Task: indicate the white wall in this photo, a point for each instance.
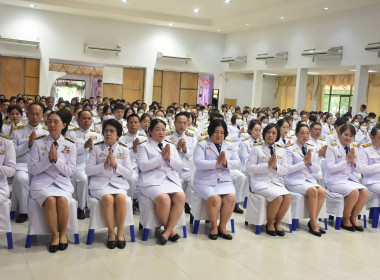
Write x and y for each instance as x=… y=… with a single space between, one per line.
x=269 y=89
x=62 y=36
x=238 y=86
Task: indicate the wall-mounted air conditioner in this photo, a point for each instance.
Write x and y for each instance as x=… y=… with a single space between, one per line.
x=331 y=52
x=237 y=59
x=281 y=56
x=20 y=42
x=373 y=47
x=163 y=57
x=88 y=47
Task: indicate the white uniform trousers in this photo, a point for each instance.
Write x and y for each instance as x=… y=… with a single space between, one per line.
x=80 y=183
x=20 y=192
x=187 y=186
x=133 y=187
x=240 y=183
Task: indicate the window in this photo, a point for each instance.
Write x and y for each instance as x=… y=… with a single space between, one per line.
x=337 y=99
x=68 y=89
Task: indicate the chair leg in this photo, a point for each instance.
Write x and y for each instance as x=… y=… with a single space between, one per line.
x=29 y=240
x=331 y=217
x=290 y=228
x=232 y=225
x=10 y=240
x=371 y=210
x=246 y=223
x=140 y=227
x=359 y=217
x=207 y=221
x=258 y=230
x=196 y=226
x=145 y=234
x=325 y=223
x=294 y=224
x=365 y=221
x=90 y=236
x=338 y=223
x=184 y=232
x=132 y=233
x=245 y=202
x=375 y=216
x=12 y=215
x=76 y=238
x=191 y=219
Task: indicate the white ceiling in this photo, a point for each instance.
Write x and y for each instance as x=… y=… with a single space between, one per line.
x=214 y=14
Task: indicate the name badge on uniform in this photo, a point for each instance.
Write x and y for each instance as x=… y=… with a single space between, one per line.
x=279 y=157
x=26 y=136
x=120 y=156
x=2 y=152
x=66 y=150
x=340 y=156
x=295 y=150
x=265 y=157
x=43 y=148
x=228 y=149
x=208 y=148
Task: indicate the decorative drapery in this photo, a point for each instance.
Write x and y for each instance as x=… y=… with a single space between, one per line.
x=373 y=94
x=333 y=80
x=285 y=91
x=76 y=69
x=309 y=93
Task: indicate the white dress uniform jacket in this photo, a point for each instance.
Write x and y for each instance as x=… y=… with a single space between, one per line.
x=245 y=148
x=7 y=165
x=370 y=162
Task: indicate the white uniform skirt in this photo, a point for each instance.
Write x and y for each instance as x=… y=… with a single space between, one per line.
x=108 y=189
x=271 y=191
x=167 y=186
x=302 y=188
x=53 y=190
x=206 y=191
x=346 y=188
x=3 y=198
x=375 y=188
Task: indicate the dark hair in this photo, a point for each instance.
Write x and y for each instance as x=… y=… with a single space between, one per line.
x=5 y=100
x=281 y=122
x=115 y=124
x=65 y=117
x=106 y=108
x=234 y=118
x=264 y=118
x=216 y=116
x=133 y=116
x=145 y=115
x=1 y=121
x=340 y=121
x=313 y=118
x=252 y=124
x=314 y=124
x=270 y=126
x=364 y=106
x=118 y=106
x=374 y=131
x=20 y=99
x=301 y=125
x=81 y=112
x=372 y=115
x=154 y=122
x=37 y=104
x=349 y=127
x=214 y=124
x=14 y=107
x=186 y=114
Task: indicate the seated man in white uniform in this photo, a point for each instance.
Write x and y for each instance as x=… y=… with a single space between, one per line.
x=118 y=112
x=131 y=139
x=185 y=142
x=84 y=138
x=23 y=139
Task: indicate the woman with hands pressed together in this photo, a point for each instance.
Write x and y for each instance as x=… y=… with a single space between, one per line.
x=213 y=159
x=159 y=163
x=52 y=162
x=266 y=165
x=109 y=168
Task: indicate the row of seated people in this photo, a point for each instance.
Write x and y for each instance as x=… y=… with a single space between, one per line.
x=215 y=187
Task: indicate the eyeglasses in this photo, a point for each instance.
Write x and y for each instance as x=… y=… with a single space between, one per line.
x=109 y=131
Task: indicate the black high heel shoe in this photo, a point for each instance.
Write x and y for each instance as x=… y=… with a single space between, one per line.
x=316 y=233
x=270 y=232
x=121 y=243
x=224 y=236
x=174 y=238
x=161 y=240
x=63 y=246
x=53 y=248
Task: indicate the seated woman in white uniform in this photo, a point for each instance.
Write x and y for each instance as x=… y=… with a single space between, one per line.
x=109 y=168
x=254 y=131
x=342 y=176
x=303 y=165
x=284 y=140
x=7 y=163
x=266 y=165
x=213 y=159
x=52 y=162
x=159 y=163
x=369 y=154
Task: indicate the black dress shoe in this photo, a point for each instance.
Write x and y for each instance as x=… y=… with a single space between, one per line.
x=321 y=230
x=63 y=246
x=213 y=236
x=280 y=233
x=187 y=208
x=121 y=243
x=238 y=210
x=359 y=228
x=174 y=238
x=53 y=248
x=111 y=244
x=270 y=232
x=21 y=218
x=349 y=228
x=313 y=232
x=80 y=214
x=224 y=236
x=161 y=240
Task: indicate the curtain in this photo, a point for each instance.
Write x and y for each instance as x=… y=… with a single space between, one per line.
x=76 y=69
x=334 y=80
x=309 y=93
x=373 y=94
x=285 y=92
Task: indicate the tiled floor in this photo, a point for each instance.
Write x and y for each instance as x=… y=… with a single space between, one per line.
x=299 y=255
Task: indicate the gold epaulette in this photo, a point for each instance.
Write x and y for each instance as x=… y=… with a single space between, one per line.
x=98 y=123
x=203 y=138
x=188 y=133
x=323 y=139
x=199 y=119
x=191 y=128
x=288 y=145
x=121 y=143
x=41 y=136
x=141 y=134
x=69 y=139
x=280 y=145
x=245 y=139
x=331 y=132
x=6 y=136
x=45 y=127
x=334 y=144
x=74 y=129
x=18 y=127
x=366 y=145
x=101 y=142
x=204 y=133
x=169 y=133
x=289 y=137
x=228 y=140
x=257 y=144
x=230 y=123
x=143 y=142
x=207 y=123
x=94 y=130
x=356 y=145
x=6 y=122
